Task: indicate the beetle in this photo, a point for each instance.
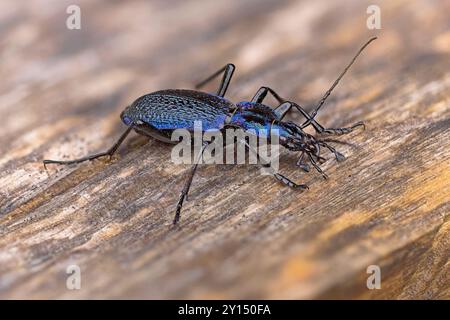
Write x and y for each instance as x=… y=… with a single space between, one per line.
x=158 y=114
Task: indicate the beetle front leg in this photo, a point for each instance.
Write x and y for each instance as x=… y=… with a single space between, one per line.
x=318 y=127
x=277 y=175
x=109 y=153
x=289 y=182
x=345 y=130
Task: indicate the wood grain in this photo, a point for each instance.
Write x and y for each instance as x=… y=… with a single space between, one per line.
x=242 y=235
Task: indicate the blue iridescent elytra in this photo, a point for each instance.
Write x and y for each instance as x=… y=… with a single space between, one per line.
x=159 y=113
x=176 y=109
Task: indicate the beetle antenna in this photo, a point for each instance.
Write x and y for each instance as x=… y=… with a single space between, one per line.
x=326 y=95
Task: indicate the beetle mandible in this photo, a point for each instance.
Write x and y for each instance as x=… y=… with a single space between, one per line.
x=158 y=114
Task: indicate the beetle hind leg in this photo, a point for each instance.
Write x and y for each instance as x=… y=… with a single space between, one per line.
x=109 y=153
x=227 y=71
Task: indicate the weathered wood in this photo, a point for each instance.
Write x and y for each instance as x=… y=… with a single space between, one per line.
x=242 y=235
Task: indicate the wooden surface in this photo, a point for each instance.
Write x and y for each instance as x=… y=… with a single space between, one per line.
x=242 y=235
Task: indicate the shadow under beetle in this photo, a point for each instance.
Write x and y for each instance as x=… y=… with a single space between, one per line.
x=159 y=113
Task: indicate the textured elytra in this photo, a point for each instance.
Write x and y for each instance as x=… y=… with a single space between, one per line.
x=174 y=109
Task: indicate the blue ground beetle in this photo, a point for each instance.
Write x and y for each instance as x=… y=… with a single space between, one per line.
x=159 y=113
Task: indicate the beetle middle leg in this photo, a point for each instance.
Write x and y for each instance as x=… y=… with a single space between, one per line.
x=109 y=152
x=187 y=184
x=227 y=71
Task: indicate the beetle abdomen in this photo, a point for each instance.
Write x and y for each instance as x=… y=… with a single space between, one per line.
x=174 y=109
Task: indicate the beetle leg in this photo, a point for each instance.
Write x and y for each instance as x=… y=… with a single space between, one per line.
x=227 y=71
x=339 y=156
x=284 y=108
x=261 y=94
x=317 y=126
x=316 y=166
x=289 y=182
x=281 y=110
x=187 y=184
x=300 y=163
x=277 y=175
x=341 y=131
x=109 y=153
x=320 y=129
